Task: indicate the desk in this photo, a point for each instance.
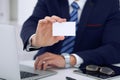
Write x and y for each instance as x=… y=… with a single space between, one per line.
x=62 y=73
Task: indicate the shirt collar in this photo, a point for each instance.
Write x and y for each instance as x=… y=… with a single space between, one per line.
x=81 y=3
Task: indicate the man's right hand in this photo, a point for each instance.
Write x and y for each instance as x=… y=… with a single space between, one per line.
x=43 y=36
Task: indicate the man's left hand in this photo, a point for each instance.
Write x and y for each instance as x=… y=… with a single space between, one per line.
x=49 y=59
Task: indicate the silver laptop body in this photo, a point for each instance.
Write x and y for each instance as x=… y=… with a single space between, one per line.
x=9 y=64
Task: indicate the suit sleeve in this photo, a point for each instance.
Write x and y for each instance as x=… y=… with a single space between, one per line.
x=29 y=27
x=109 y=52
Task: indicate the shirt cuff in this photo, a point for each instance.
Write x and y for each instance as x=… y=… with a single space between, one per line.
x=29 y=45
x=79 y=60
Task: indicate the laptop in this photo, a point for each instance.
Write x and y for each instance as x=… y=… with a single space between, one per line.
x=9 y=64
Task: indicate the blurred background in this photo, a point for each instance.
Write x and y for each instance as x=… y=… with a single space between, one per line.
x=15 y=12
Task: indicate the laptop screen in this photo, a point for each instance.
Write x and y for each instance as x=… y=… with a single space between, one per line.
x=9 y=66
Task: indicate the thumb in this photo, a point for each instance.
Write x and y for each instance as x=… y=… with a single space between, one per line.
x=60 y=37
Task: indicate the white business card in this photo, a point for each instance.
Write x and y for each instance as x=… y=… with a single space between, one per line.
x=64 y=29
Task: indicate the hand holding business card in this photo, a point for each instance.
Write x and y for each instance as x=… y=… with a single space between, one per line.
x=64 y=29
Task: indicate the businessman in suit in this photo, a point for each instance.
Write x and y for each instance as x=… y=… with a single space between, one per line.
x=97 y=39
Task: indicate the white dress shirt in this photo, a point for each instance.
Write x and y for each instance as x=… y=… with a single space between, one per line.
x=81 y=4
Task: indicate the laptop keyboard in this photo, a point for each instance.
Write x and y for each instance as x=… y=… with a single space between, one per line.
x=27 y=74
x=2 y=79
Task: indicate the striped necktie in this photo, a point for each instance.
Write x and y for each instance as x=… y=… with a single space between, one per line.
x=68 y=43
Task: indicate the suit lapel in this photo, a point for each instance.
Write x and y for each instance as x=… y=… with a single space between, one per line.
x=85 y=14
x=83 y=20
x=64 y=9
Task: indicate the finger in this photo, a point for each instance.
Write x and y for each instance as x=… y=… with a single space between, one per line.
x=60 y=37
x=36 y=62
x=58 y=19
x=40 y=58
x=41 y=24
x=40 y=65
x=42 y=21
x=50 y=19
x=46 y=64
x=43 y=61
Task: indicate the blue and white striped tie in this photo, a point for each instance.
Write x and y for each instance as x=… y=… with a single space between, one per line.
x=67 y=46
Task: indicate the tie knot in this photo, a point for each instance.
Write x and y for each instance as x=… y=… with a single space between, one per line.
x=75 y=5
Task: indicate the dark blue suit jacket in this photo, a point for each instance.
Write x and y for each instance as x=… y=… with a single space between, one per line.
x=98 y=35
